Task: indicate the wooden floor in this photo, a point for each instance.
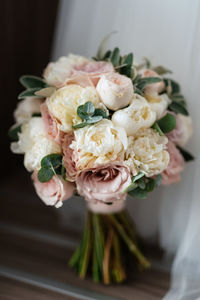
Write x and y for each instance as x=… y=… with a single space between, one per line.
x=36 y=244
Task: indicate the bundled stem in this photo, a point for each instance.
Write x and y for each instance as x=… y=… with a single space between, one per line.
x=102 y=245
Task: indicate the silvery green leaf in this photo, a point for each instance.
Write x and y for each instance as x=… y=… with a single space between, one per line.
x=94 y=119
x=80 y=125
x=29 y=93
x=29 y=81
x=158 y=180
x=138 y=176
x=138 y=193
x=52 y=161
x=100 y=112
x=115 y=57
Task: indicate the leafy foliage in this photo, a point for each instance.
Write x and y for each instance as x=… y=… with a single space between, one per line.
x=32 y=84
x=140 y=83
x=50 y=165
x=142 y=185
x=186 y=155
x=13 y=133
x=89 y=115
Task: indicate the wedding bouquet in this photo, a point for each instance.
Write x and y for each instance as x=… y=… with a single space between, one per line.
x=102 y=128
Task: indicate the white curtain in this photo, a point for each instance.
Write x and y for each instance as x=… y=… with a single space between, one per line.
x=168 y=32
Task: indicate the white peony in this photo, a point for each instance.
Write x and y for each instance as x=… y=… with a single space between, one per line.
x=158 y=103
x=99 y=144
x=146 y=152
x=26 y=108
x=34 y=144
x=137 y=115
x=115 y=90
x=64 y=102
x=57 y=73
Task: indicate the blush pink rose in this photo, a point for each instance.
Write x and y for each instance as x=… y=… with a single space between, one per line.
x=183 y=130
x=69 y=157
x=153 y=88
x=53 y=192
x=51 y=124
x=104 y=184
x=90 y=72
x=176 y=165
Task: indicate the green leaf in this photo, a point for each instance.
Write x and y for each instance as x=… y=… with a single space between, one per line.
x=52 y=161
x=94 y=119
x=80 y=125
x=13 y=132
x=161 y=70
x=175 y=88
x=178 y=98
x=45 y=174
x=143 y=82
x=142 y=183
x=138 y=176
x=100 y=112
x=147 y=62
x=63 y=173
x=29 y=81
x=107 y=55
x=178 y=108
x=138 y=193
x=167 y=123
x=86 y=110
x=128 y=61
x=150 y=185
x=156 y=127
x=115 y=57
x=186 y=155
x=29 y=93
x=158 y=180
x=36 y=115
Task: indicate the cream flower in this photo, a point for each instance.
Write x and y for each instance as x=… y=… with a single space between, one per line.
x=115 y=90
x=158 y=103
x=34 y=143
x=64 y=102
x=137 y=115
x=26 y=108
x=57 y=73
x=146 y=152
x=99 y=144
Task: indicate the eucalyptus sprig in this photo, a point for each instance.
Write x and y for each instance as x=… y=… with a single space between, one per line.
x=89 y=115
x=32 y=84
x=142 y=185
x=50 y=166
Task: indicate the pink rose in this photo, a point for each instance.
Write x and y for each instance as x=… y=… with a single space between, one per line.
x=51 y=124
x=105 y=183
x=53 y=192
x=90 y=72
x=153 y=88
x=176 y=165
x=183 y=130
x=69 y=157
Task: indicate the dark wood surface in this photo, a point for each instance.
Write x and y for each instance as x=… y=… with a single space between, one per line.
x=35 y=248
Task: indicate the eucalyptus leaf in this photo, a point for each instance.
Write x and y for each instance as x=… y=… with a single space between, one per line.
x=138 y=193
x=86 y=110
x=46 y=92
x=143 y=82
x=100 y=112
x=173 y=85
x=13 y=132
x=150 y=185
x=128 y=62
x=186 y=155
x=167 y=123
x=138 y=176
x=45 y=174
x=94 y=119
x=29 y=93
x=29 y=81
x=158 y=180
x=52 y=161
x=80 y=125
x=178 y=108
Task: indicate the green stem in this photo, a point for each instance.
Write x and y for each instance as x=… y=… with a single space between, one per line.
x=98 y=241
x=118 y=270
x=75 y=257
x=132 y=247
